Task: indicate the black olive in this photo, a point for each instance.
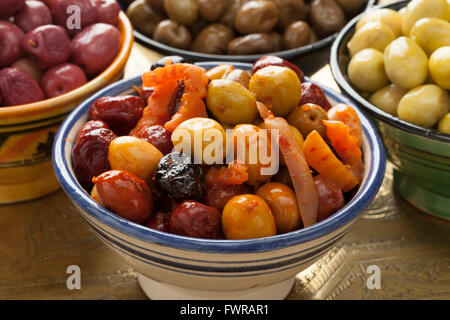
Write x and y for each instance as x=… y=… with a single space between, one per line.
x=177 y=175
x=162 y=62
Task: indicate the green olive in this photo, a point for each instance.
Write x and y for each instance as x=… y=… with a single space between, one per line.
x=387 y=98
x=366 y=70
x=307 y=118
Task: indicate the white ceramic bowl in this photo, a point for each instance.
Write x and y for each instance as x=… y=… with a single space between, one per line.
x=177 y=267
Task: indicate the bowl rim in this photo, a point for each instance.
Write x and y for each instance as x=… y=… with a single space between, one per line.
x=344 y=216
x=198 y=56
x=373 y=110
x=126 y=29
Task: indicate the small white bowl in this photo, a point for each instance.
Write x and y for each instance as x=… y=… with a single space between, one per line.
x=177 y=267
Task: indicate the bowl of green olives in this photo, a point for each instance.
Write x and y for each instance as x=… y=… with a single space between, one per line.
x=401 y=79
x=240 y=30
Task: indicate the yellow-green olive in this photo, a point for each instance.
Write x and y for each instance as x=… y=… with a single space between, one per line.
x=230 y=102
x=387 y=98
x=366 y=70
x=424 y=105
x=277 y=87
x=418 y=9
x=406 y=64
x=431 y=34
x=371 y=35
x=389 y=17
x=240 y=76
x=184 y=12
x=439 y=66
x=444 y=124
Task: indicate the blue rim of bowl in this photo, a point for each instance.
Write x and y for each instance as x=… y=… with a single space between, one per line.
x=349 y=212
x=198 y=56
x=373 y=110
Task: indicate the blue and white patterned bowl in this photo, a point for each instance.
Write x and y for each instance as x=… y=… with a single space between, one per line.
x=177 y=267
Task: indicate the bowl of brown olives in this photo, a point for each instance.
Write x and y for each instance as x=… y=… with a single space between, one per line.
x=395 y=62
x=195 y=229
x=240 y=30
x=46 y=69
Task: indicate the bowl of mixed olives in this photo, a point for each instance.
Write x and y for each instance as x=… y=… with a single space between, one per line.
x=163 y=166
x=46 y=69
x=395 y=62
x=240 y=30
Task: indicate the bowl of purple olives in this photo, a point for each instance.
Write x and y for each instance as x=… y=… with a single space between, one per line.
x=240 y=30
x=51 y=59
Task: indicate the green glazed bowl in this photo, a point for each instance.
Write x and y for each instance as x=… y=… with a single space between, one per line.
x=421 y=157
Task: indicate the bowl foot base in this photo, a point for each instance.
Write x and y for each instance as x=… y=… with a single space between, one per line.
x=163 y=291
x=420 y=197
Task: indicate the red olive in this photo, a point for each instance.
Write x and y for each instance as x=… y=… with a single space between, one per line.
x=218 y=195
x=193 y=219
x=91 y=126
x=125 y=194
x=120 y=113
x=64 y=13
x=276 y=61
x=159 y=221
x=312 y=93
x=90 y=155
x=18 y=88
x=33 y=14
x=10 y=43
x=158 y=136
x=62 y=79
x=331 y=198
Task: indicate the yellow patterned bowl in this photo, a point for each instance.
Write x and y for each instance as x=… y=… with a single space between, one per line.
x=27 y=131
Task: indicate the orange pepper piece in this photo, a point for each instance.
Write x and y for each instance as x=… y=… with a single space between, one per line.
x=346 y=114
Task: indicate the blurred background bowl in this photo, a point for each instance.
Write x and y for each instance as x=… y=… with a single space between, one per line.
x=177 y=267
x=421 y=157
x=27 y=131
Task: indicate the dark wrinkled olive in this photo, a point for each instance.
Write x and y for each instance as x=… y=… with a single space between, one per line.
x=312 y=93
x=162 y=62
x=277 y=61
x=193 y=219
x=179 y=177
x=297 y=34
x=211 y=10
x=144 y=18
x=121 y=113
x=277 y=40
x=251 y=44
x=125 y=194
x=158 y=136
x=213 y=39
x=90 y=155
x=308 y=117
x=173 y=34
x=157 y=5
x=326 y=17
x=230 y=12
x=184 y=12
x=289 y=12
x=331 y=198
x=256 y=16
x=159 y=221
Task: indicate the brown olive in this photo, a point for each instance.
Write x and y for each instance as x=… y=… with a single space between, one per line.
x=251 y=44
x=144 y=18
x=184 y=12
x=296 y=35
x=173 y=34
x=157 y=5
x=213 y=39
x=256 y=16
x=230 y=12
x=277 y=40
x=239 y=76
x=198 y=26
x=211 y=10
x=351 y=7
x=326 y=17
x=307 y=118
x=289 y=12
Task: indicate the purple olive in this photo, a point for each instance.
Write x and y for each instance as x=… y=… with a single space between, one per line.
x=33 y=14
x=47 y=45
x=9 y=7
x=28 y=67
x=95 y=47
x=18 y=88
x=65 y=12
x=10 y=43
x=62 y=79
x=107 y=11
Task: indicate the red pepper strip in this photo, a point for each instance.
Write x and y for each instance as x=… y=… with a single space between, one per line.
x=305 y=189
